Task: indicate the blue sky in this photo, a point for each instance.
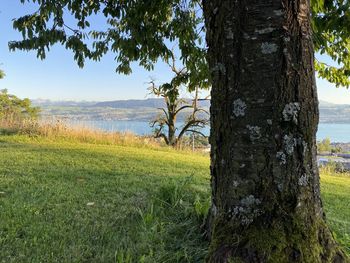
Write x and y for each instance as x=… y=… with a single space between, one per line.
x=59 y=78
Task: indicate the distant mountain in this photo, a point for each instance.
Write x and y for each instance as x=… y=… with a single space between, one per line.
x=147 y=103
x=323 y=103
x=131 y=104
x=117 y=104
x=326 y=104
x=334 y=113
x=47 y=103
x=135 y=110
x=147 y=109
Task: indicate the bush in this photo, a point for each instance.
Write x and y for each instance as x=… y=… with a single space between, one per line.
x=13 y=109
x=326 y=146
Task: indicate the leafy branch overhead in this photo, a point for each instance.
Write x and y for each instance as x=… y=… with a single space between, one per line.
x=2 y=74
x=139 y=31
x=331 y=20
x=143 y=31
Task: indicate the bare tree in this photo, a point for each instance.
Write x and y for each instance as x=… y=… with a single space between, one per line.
x=165 y=124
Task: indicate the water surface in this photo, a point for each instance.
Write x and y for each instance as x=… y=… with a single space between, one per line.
x=336 y=132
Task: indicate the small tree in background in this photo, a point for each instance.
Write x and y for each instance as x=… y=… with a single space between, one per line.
x=324 y=145
x=13 y=108
x=165 y=124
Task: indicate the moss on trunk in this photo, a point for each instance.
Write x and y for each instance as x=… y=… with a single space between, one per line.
x=276 y=242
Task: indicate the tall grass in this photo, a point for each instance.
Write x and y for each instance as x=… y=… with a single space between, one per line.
x=333 y=169
x=58 y=129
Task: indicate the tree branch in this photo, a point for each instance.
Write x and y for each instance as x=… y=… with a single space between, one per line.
x=192 y=123
x=195 y=131
x=182 y=108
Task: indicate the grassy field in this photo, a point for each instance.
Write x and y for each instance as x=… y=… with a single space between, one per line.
x=79 y=202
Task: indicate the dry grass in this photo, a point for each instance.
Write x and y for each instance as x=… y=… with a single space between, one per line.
x=332 y=169
x=58 y=129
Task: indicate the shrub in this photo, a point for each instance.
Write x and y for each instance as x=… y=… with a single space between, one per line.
x=13 y=108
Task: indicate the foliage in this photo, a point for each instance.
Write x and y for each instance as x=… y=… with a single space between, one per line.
x=2 y=74
x=331 y=21
x=146 y=205
x=142 y=31
x=326 y=146
x=145 y=31
x=14 y=108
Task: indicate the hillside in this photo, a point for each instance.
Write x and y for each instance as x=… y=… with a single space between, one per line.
x=148 y=103
x=334 y=113
x=131 y=104
x=146 y=110
x=66 y=201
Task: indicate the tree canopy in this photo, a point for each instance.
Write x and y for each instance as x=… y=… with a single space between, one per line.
x=331 y=20
x=14 y=108
x=142 y=31
x=145 y=31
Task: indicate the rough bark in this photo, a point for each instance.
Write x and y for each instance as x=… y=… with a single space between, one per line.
x=266 y=204
x=172 y=130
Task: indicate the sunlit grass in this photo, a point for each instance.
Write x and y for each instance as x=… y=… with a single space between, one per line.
x=336 y=199
x=78 y=202
x=66 y=201
x=60 y=130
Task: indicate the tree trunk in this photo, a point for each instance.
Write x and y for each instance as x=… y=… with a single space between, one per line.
x=266 y=204
x=172 y=130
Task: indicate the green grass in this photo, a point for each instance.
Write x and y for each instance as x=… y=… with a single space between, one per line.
x=78 y=202
x=336 y=199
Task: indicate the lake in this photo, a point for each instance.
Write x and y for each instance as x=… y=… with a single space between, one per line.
x=336 y=132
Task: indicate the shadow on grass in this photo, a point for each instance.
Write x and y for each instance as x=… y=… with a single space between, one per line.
x=170 y=227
